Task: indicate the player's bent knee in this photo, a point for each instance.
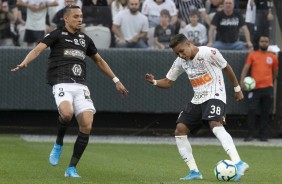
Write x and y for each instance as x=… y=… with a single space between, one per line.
x=181 y=129
x=67 y=116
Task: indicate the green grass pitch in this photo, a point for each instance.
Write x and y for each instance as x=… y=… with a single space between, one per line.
x=24 y=162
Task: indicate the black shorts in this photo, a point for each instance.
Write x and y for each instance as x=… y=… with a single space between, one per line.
x=32 y=36
x=194 y=116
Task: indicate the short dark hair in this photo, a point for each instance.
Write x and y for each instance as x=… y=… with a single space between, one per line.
x=69 y=7
x=165 y=12
x=194 y=12
x=177 y=39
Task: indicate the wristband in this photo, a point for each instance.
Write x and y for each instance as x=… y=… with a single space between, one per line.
x=237 y=89
x=154 y=82
x=115 y=79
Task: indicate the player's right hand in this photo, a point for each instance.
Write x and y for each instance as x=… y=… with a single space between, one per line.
x=149 y=77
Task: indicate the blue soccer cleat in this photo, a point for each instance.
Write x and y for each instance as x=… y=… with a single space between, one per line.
x=71 y=172
x=193 y=175
x=242 y=167
x=55 y=154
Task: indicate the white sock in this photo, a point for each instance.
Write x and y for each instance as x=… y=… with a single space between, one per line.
x=227 y=143
x=185 y=151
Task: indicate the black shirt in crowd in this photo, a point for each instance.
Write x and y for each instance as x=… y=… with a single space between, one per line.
x=227 y=27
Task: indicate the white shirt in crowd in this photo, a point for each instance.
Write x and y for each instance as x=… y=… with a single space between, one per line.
x=131 y=25
x=196 y=33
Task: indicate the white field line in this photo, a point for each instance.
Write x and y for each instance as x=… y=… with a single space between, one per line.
x=149 y=140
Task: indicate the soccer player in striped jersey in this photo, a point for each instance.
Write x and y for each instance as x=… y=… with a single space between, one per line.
x=204 y=66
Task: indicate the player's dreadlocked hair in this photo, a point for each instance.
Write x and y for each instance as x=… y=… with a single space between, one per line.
x=68 y=8
x=177 y=39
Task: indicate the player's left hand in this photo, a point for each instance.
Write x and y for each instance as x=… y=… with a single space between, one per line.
x=121 y=89
x=20 y=66
x=239 y=96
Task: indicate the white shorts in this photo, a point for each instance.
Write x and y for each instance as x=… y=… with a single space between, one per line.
x=77 y=94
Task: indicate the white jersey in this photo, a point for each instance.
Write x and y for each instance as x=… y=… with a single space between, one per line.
x=205 y=74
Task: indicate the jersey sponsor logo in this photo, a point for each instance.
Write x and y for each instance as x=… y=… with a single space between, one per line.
x=81 y=36
x=82 y=42
x=74 y=53
x=64 y=33
x=201 y=80
x=68 y=40
x=76 y=70
x=201 y=94
x=209 y=116
x=214 y=62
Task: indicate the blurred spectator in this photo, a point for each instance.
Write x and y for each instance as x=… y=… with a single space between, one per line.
x=152 y=9
x=195 y=31
x=263 y=67
x=96 y=2
x=36 y=19
x=14 y=21
x=250 y=19
x=264 y=17
x=213 y=7
x=117 y=6
x=164 y=31
x=97 y=12
x=130 y=27
x=52 y=11
x=227 y=24
x=186 y=6
x=58 y=20
x=6 y=18
x=18 y=24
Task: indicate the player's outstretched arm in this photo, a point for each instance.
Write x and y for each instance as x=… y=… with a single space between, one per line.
x=162 y=83
x=105 y=68
x=237 y=89
x=34 y=53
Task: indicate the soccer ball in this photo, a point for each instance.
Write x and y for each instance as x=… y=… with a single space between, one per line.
x=250 y=83
x=225 y=170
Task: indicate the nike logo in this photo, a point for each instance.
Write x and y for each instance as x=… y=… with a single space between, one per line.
x=210 y=116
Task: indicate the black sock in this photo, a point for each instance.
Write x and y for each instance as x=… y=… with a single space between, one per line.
x=79 y=147
x=62 y=127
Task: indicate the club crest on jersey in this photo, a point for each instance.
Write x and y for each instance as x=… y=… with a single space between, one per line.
x=76 y=70
x=82 y=42
x=76 y=42
x=269 y=60
x=213 y=52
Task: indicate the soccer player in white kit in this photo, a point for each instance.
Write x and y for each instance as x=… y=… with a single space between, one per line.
x=204 y=66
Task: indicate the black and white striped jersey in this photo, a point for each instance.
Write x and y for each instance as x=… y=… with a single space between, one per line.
x=186 y=6
x=204 y=73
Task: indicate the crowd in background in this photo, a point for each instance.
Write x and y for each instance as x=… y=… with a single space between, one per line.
x=223 y=24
